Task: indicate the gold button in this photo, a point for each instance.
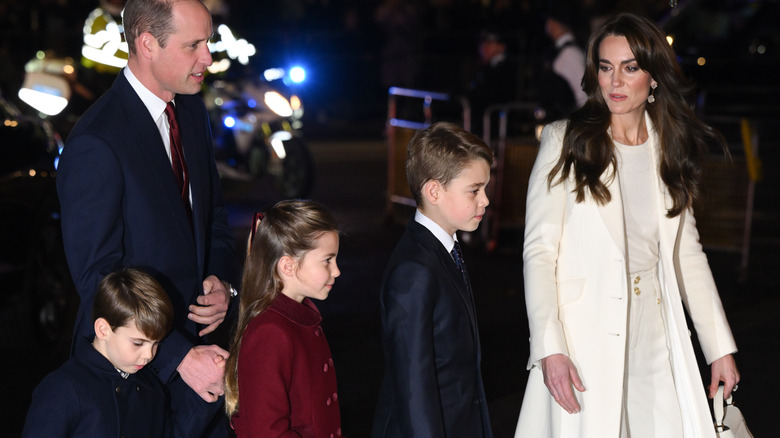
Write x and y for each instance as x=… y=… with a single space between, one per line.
x=658 y=301
x=636 y=280
x=637 y=291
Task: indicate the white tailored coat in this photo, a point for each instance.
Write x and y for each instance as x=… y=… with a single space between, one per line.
x=576 y=289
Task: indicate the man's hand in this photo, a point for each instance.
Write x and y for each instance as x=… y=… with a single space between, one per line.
x=559 y=376
x=724 y=370
x=203 y=370
x=212 y=305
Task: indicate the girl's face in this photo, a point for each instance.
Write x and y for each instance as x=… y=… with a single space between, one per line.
x=623 y=84
x=313 y=274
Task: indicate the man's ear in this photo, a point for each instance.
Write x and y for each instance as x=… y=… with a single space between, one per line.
x=146 y=43
x=102 y=329
x=286 y=266
x=431 y=191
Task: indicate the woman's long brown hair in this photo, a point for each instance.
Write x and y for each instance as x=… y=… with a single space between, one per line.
x=288 y=228
x=588 y=151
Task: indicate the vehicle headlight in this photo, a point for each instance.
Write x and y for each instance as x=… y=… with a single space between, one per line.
x=277 y=103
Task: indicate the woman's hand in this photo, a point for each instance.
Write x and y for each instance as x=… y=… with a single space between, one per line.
x=724 y=370
x=559 y=376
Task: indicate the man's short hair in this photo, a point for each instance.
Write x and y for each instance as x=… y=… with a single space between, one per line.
x=153 y=16
x=133 y=295
x=439 y=153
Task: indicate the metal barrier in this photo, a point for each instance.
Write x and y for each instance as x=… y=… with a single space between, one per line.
x=515 y=158
x=407 y=112
x=724 y=215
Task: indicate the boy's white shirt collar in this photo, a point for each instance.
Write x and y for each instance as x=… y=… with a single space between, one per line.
x=445 y=239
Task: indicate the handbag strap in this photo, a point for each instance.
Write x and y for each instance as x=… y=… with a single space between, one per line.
x=717 y=406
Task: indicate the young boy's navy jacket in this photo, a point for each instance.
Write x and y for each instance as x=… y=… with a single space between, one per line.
x=87 y=397
x=433 y=379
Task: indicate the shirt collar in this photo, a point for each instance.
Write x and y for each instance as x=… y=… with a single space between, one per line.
x=494 y=61
x=445 y=239
x=94 y=360
x=565 y=38
x=154 y=104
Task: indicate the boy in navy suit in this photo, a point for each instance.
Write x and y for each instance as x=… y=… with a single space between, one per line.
x=433 y=382
x=105 y=390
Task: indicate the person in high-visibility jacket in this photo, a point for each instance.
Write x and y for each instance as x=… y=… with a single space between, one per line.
x=105 y=48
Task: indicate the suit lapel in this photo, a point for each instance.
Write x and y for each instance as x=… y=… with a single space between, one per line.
x=463 y=290
x=148 y=142
x=192 y=144
x=667 y=227
x=612 y=214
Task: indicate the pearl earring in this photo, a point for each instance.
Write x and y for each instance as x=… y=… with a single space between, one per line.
x=651 y=98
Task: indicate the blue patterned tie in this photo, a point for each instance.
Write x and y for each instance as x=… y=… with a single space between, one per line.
x=457 y=255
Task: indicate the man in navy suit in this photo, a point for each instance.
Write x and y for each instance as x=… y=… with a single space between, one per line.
x=124 y=204
x=433 y=380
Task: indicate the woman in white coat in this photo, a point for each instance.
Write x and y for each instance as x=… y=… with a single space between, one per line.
x=611 y=254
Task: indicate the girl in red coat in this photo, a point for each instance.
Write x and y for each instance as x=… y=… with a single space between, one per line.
x=280 y=380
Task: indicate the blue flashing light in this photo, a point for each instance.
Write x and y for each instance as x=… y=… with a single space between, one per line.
x=229 y=122
x=297 y=74
x=251 y=103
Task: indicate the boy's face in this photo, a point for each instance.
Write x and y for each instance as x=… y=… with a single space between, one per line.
x=127 y=348
x=461 y=204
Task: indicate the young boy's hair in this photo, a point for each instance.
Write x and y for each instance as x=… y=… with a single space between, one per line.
x=439 y=153
x=133 y=295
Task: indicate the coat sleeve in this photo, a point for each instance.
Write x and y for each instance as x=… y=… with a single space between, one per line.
x=222 y=259
x=545 y=208
x=54 y=411
x=90 y=188
x=407 y=306
x=187 y=414
x=700 y=294
x=265 y=363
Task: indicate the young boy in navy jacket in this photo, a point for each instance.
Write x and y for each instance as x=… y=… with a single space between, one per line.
x=105 y=388
x=433 y=381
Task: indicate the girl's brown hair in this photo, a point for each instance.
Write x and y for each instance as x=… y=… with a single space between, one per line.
x=588 y=151
x=288 y=228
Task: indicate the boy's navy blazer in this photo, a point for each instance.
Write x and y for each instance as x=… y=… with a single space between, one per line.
x=121 y=207
x=433 y=379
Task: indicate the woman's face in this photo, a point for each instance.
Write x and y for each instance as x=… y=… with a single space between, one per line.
x=623 y=84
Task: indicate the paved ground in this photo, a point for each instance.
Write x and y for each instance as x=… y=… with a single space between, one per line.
x=351 y=181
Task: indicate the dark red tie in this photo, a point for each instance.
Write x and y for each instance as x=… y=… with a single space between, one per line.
x=177 y=156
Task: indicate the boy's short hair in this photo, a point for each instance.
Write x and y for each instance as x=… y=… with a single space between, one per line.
x=439 y=153
x=133 y=295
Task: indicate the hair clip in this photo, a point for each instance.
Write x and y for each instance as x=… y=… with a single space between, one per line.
x=258 y=217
